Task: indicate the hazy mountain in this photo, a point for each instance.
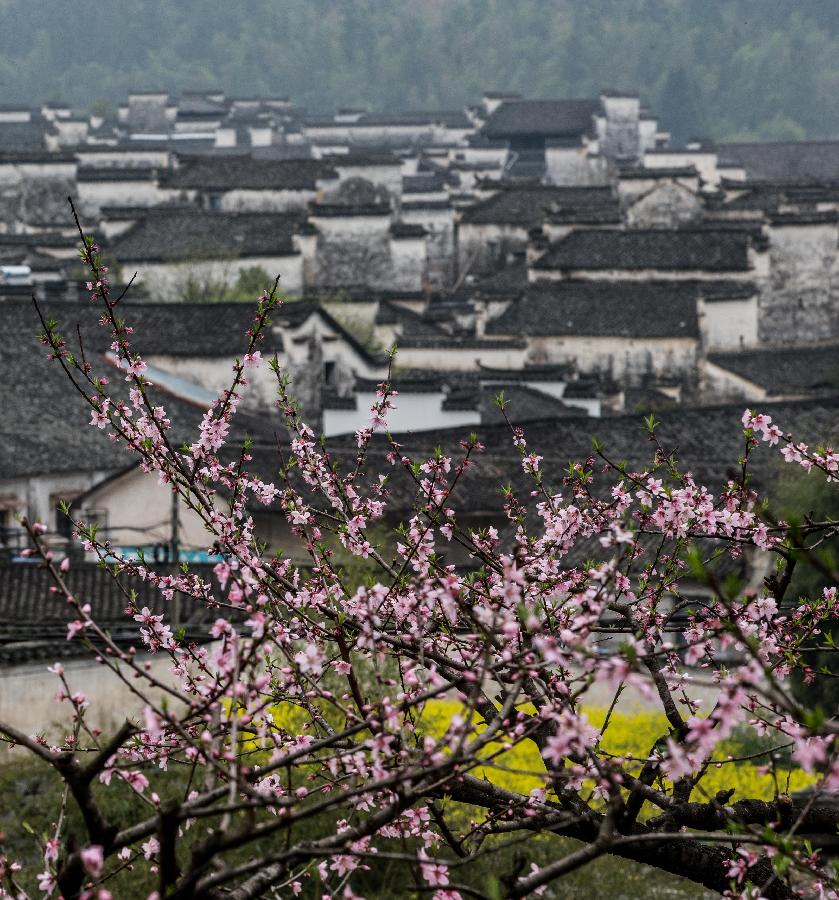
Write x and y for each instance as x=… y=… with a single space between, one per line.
x=729 y=68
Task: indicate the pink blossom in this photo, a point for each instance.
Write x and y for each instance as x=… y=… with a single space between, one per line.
x=93 y=860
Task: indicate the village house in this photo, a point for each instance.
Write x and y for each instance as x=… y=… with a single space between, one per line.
x=243 y=184
x=494 y=228
x=176 y=249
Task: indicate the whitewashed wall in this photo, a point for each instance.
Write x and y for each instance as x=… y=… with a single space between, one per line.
x=163 y=280
x=728 y=324
x=619 y=357
x=480 y=247
x=461 y=359
x=243 y=200
x=414 y=412
x=27 y=700
x=760 y=270
x=93 y=195
x=575 y=166
x=14 y=172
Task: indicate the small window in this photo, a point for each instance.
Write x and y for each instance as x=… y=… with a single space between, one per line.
x=63 y=523
x=329 y=373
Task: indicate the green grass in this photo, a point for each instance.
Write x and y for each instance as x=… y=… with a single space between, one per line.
x=32 y=795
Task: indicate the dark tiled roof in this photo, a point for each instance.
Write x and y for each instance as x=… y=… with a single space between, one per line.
x=22 y=136
x=423 y=184
x=450 y=118
x=602 y=308
x=507 y=282
x=786 y=160
x=112 y=173
x=33 y=622
x=35 y=155
x=663 y=172
x=786 y=370
x=226 y=173
x=451 y=342
x=414 y=325
x=38 y=239
x=771 y=196
x=362 y=160
x=425 y=204
x=195 y=329
x=337 y=210
x=25 y=596
x=547 y=118
x=713 y=291
x=805 y=217
x=716 y=251
x=707 y=441
x=607 y=214
x=480 y=141
x=527 y=205
x=407 y=230
x=44 y=424
x=527 y=404
x=546 y=372
x=181 y=234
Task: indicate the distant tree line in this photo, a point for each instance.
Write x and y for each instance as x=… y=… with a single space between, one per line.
x=732 y=69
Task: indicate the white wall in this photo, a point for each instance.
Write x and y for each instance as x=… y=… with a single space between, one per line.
x=138 y=512
x=14 y=172
x=350 y=227
x=27 y=701
x=163 y=280
x=123 y=157
x=575 y=165
x=414 y=412
x=619 y=357
x=481 y=246
x=241 y=200
x=93 y=195
x=667 y=204
x=728 y=324
x=536 y=275
x=334 y=347
x=409 y=258
x=460 y=359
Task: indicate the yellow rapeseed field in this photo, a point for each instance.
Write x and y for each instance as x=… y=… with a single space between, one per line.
x=629 y=734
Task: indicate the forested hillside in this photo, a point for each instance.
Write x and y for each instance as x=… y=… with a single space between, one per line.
x=734 y=69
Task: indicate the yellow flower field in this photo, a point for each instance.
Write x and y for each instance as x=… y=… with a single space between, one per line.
x=521 y=768
x=628 y=734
